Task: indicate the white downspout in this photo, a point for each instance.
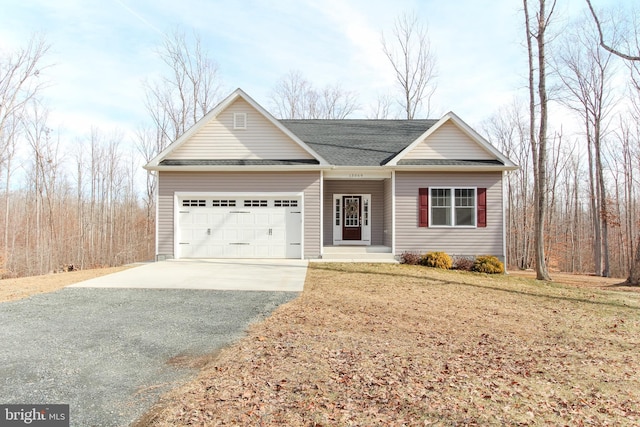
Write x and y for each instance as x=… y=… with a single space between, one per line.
x=321 y=213
x=393 y=212
x=504 y=228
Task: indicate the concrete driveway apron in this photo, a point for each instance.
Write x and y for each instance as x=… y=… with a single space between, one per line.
x=106 y=347
x=239 y=274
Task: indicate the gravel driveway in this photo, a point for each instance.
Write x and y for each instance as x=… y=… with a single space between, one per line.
x=105 y=351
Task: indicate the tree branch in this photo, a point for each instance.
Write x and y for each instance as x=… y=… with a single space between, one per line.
x=603 y=44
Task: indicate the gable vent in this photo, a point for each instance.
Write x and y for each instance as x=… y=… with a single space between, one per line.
x=239 y=120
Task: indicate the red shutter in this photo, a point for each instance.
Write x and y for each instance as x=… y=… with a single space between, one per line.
x=482 y=207
x=423 y=207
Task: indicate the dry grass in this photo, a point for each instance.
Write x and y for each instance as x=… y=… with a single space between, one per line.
x=23 y=287
x=582 y=281
x=407 y=345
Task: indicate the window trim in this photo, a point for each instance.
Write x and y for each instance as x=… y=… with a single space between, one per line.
x=453 y=207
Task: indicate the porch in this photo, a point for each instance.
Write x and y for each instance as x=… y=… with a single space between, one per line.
x=357 y=212
x=377 y=253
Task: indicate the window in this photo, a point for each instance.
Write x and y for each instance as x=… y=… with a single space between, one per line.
x=255 y=203
x=200 y=203
x=453 y=207
x=440 y=206
x=338 y=213
x=366 y=212
x=285 y=203
x=465 y=206
x=223 y=203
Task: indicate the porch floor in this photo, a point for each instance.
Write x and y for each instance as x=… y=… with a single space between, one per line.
x=357 y=254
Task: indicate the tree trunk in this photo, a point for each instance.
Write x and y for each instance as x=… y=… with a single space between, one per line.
x=634 y=270
x=595 y=209
x=542 y=272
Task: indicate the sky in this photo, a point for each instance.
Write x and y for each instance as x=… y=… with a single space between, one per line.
x=103 y=50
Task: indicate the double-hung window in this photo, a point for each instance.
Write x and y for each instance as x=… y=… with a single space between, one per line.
x=453 y=207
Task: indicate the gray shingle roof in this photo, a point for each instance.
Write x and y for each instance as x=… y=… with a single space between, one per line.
x=358 y=142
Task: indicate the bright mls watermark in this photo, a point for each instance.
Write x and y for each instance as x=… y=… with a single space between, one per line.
x=34 y=415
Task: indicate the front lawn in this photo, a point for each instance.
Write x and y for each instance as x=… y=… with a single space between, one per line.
x=404 y=345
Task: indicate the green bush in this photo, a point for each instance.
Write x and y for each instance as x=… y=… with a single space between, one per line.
x=437 y=260
x=488 y=264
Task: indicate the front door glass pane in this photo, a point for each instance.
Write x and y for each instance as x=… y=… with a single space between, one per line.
x=351 y=212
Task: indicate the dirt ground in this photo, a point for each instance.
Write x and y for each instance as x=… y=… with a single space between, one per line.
x=14 y=289
x=407 y=345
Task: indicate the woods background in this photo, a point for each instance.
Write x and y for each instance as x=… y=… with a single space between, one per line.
x=88 y=203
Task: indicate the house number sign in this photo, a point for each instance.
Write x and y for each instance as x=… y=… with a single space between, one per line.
x=356 y=175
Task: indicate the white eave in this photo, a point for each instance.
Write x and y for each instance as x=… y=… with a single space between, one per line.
x=237 y=168
x=455 y=168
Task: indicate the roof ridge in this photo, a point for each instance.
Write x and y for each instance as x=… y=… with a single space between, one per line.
x=362 y=120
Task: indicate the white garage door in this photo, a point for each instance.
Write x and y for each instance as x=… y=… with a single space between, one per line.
x=239 y=227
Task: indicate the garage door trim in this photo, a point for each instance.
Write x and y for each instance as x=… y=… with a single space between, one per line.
x=180 y=195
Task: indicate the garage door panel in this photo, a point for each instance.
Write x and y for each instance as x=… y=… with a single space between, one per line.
x=256 y=231
x=231 y=235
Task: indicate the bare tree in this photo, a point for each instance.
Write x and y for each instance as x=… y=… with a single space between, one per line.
x=46 y=164
x=190 y=88
x=289 y=97
x=20 y=81
x=634 y=86
x=633 y=43
x=508 y=129
x=414 y=63
x=186 y=92
x=337 y=103
x=607 y=46
x=294 y=97
x=585 y=72
x=382 y=108
x=536 y=30
x=149 y=143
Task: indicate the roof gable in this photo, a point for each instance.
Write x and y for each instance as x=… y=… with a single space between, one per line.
x=450 y=139
x=216 y=138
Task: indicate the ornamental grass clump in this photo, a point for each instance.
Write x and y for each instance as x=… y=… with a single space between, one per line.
x=488 y=264
x=410 y=258
x=437 y=260
x=463 y=264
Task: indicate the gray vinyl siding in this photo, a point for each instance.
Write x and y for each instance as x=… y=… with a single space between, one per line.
x=388 y=213
x=375 y=188
x=248 y=182
x=454 y=241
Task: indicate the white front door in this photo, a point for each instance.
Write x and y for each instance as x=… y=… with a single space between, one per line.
x=352 y=219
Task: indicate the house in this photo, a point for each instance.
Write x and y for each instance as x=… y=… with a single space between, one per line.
x=243 y=184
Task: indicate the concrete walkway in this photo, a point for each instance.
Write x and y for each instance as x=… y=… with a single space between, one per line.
x=274 y=275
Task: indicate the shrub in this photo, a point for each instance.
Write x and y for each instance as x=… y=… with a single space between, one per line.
x=488 y=264
x=410 y=258
x=437 y=260
x=462 y=263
